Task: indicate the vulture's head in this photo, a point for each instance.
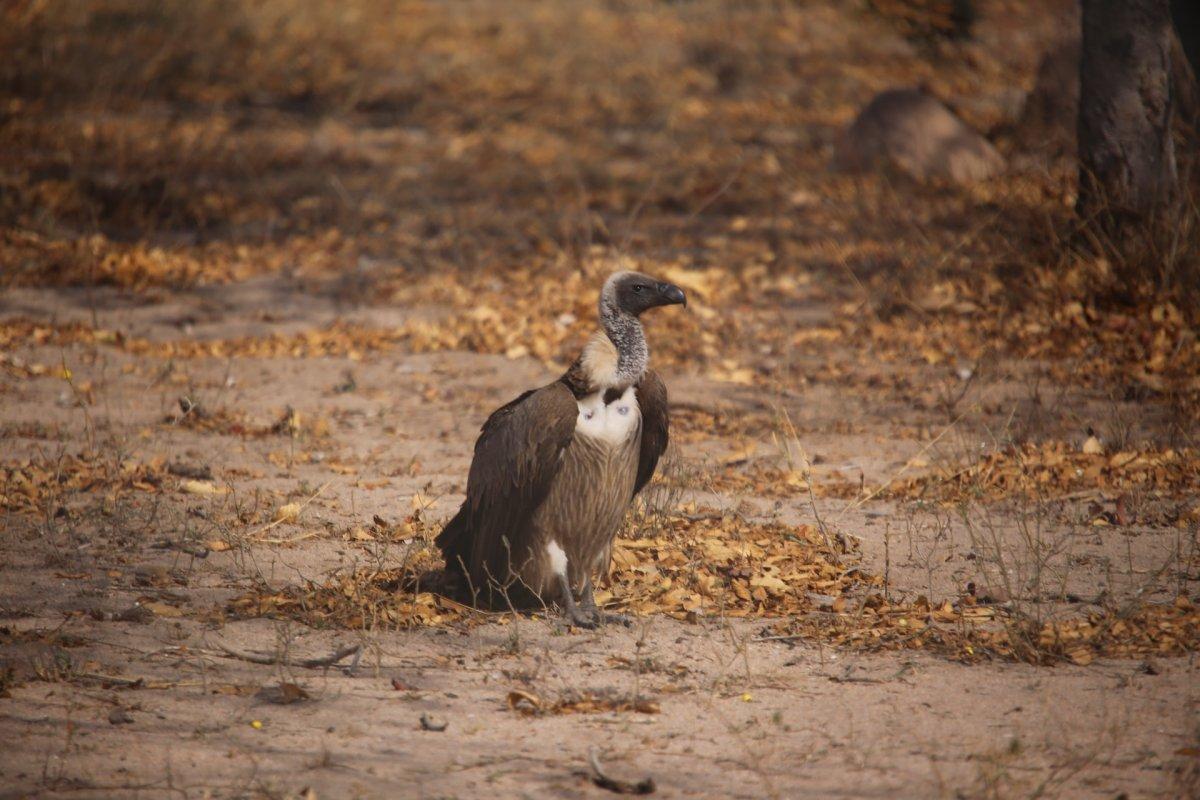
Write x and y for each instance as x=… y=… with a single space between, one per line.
x=633 y=293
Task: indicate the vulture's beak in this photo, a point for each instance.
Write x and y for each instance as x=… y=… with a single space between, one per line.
x=671 y=295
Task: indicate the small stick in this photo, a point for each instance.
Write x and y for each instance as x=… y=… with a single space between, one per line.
x=353 y=668
x=133 y=683
x=110 y=679
x=293 y=540
x=883 y=486
x=790 y=638
x=853 y=679
x=644 y=786
x=310 y=663
x=710 y=515
x=812 y=501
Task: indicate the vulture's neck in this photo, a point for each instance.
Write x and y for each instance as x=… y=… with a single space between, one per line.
x=625 y=332
x=615 y=359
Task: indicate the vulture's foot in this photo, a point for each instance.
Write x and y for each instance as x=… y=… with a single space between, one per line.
x=579 y=618
x=587 y=605
x=578 y=615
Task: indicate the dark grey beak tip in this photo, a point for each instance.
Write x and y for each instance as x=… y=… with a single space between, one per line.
x=673 y=295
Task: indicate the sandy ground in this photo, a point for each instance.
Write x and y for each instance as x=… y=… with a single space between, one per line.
x=314 y=171
x=738 y=715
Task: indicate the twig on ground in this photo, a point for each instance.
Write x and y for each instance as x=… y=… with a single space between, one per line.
x=883 y=486
x=353 y=668
x=132 y=683
x=302 y=537
x=308 y=663
x=109 y=679
x=300 y=508
x=853 y=679
x=702 y=517
x=812 y=501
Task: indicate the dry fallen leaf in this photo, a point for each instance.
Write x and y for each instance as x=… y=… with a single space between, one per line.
x=524 y=702
x=289 y=512
x=1080 y=656
x=161 y=609
x=198 y=487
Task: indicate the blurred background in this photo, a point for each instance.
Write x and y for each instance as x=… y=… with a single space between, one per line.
x=238 y=137
x=403 y=152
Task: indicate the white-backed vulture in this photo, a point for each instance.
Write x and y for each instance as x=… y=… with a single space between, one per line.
x=555 y=469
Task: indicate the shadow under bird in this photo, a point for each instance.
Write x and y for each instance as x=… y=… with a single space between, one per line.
x=555 y=469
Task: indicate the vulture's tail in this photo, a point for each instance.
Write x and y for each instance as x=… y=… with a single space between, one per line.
x=455 y=543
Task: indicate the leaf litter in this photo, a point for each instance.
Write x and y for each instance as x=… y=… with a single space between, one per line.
x=711 y=564
x=695 y=569
x=741 y=278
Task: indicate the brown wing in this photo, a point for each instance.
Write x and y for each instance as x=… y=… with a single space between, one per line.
x=652 y=400
x=516 y=458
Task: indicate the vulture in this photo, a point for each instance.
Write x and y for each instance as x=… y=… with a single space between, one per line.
x=555 y=469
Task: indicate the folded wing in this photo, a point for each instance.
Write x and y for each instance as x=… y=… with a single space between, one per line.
x=652 y=400
x=517 y=456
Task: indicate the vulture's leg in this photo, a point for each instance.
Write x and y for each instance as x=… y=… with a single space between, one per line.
x=572 y=612
x=587 y=605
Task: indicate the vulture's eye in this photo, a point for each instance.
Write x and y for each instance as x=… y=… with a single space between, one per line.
x=637 y=287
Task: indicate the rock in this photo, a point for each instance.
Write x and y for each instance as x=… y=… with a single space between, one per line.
x=908 y=130
x=119 y=716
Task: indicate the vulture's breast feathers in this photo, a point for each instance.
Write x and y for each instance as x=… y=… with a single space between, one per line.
x=612 y=422
x=608 y=406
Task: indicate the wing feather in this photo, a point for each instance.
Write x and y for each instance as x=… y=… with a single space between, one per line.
x=516 y=458
x=652 y=400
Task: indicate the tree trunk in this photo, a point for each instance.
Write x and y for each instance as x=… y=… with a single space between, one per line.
x=1185 y=67
x=1187 y=25
x=1126 y=155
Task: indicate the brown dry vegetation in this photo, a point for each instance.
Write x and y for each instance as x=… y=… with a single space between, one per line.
x=929 y=526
